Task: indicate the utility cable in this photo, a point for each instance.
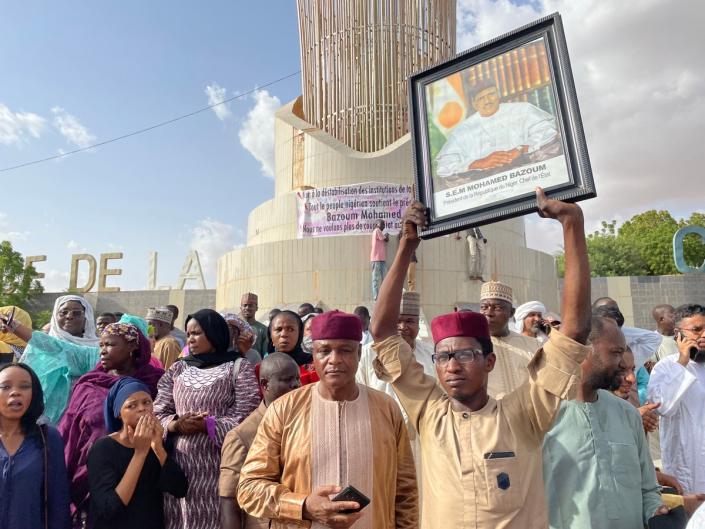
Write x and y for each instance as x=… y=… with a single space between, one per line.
x=150 y=128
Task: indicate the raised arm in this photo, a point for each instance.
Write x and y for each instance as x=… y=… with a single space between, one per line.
x=384 y=323
x=575 y=304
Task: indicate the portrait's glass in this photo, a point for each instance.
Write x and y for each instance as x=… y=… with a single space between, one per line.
x=491 y=126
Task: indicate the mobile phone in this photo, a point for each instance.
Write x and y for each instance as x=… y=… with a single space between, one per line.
x=668 y=490
x=350 y=493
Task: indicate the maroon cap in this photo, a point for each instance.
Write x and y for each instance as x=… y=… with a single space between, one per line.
x=336 y=325
x=465 y=323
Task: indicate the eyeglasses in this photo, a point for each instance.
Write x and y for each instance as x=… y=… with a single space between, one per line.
x=73 y=313
x=466 y=356
x=695 y=330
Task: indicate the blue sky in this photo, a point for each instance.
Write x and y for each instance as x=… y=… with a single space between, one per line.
x=74 y=73
x=122 y=66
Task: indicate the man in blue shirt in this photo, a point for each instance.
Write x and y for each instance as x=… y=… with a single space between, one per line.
x=597 y=467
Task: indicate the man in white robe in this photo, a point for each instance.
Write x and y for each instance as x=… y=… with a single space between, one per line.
x=513 y=350
x=496 y=134
x=678 y=384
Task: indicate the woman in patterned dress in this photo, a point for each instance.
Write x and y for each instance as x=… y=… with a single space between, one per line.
x=201 y=398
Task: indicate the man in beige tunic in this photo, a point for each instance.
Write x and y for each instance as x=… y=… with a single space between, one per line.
x=278 y=375
x=513 y=351
x=482 y=458
x=315 y=441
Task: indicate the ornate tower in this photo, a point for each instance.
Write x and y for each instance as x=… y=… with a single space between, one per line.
x=356 y=58
x=350 y=126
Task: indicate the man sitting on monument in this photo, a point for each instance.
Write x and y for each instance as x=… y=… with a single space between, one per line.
x=316 y=441
x=481 y=457
x=248 y=310
x=497 y=135
x=166 y=349
x=513 y=351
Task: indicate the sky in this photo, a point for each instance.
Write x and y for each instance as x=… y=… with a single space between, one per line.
x=74 y=74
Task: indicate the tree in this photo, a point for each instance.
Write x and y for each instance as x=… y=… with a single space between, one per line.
x=609 y=256
x=693 y=246
x=651 y=233
x=643 y=245
x=18 y=283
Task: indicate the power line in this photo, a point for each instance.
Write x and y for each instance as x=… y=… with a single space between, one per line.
x=152 y=127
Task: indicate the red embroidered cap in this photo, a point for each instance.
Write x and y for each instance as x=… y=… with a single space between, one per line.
x=465 y=323
x=336 y=325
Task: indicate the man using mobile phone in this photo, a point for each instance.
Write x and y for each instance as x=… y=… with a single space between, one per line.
x=481 y=457
x=678 y=384
x=316 y=441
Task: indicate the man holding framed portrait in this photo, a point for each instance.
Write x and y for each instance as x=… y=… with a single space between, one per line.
x=492 y=124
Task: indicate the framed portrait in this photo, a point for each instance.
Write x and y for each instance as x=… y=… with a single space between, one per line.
x=494 y=123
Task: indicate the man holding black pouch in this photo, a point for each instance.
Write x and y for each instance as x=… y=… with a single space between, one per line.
x=326 y=450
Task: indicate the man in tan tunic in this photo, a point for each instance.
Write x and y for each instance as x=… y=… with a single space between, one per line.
x=482 y=464
x=315 y=441
x=278 y=375
x=512 y=350
x=166 y=347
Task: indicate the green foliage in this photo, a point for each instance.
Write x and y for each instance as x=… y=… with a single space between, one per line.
x=17 y=283
x=651 y=233
x=40 y=319
x=642 y=246
x=693 y=246
x=611 y=257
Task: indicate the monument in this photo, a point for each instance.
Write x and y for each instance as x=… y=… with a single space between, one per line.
x=350 y=126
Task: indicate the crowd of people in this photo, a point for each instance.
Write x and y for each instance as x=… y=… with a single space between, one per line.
x=512 y=417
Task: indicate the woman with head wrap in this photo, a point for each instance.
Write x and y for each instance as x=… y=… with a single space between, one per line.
x=69 y=350
x=129 y=470
x=201 y=397
x=124 y=351
x=33 y=486
x=286 y=334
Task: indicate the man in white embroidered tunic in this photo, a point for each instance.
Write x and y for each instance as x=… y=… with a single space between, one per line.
x=482 y=465
x=315 y=441
x=514 y=351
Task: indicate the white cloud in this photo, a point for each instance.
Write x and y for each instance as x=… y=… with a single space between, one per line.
x=15 y=127
x=6 y=234
x=257 y=132
x=212 y=239
x=640 y=80
x=216 y=94
x=58 y=280
x=71 y=129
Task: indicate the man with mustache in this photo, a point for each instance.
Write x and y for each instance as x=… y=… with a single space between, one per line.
x=315 y=441
x=481 y=457
x=678 y=384
x=596 y=463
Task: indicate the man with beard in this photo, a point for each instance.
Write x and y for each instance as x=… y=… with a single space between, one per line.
x=529 y=320
x=678 y=384
x=596 y=463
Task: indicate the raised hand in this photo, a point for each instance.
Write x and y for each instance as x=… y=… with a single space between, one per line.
x=318 y=507
x=141 y=435
x=649 y=418
x=556 y=209
x=414 y=217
